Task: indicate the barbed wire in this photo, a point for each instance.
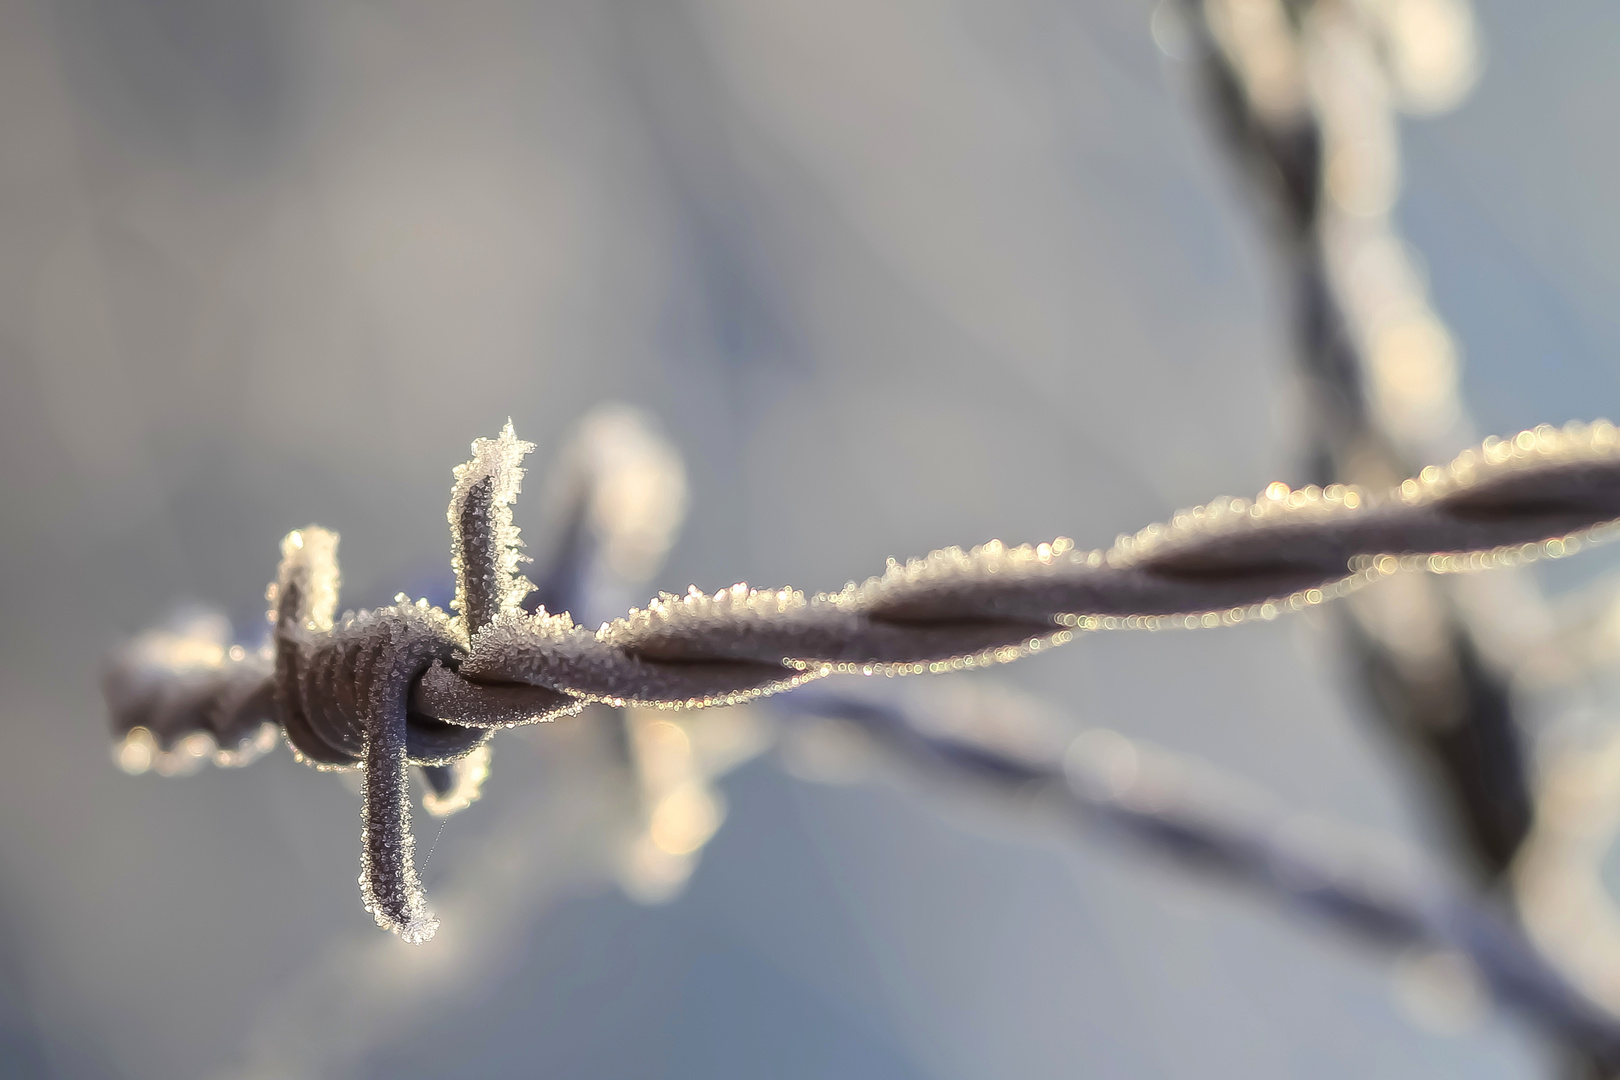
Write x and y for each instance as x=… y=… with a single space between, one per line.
x=412 y=684
x=1232 y=560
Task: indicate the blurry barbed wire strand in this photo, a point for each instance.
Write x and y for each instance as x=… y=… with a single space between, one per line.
x=1213 y=824
x=411 y=684
x=1306 y=100
x=1307 y=96
x=616 y=495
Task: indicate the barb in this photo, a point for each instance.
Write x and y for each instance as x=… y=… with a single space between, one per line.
x=1207 y=821
x=410 y=684
x=483 y=541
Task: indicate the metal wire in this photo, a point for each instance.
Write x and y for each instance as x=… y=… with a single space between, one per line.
x=1232 y=560
x=410 y=684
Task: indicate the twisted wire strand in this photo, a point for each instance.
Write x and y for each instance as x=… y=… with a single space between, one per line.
x=1201 y=819
x=1541 y=493
x=410 y=684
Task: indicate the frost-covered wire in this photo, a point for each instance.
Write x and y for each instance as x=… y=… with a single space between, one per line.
x=1229 y=561
x=410 y=684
